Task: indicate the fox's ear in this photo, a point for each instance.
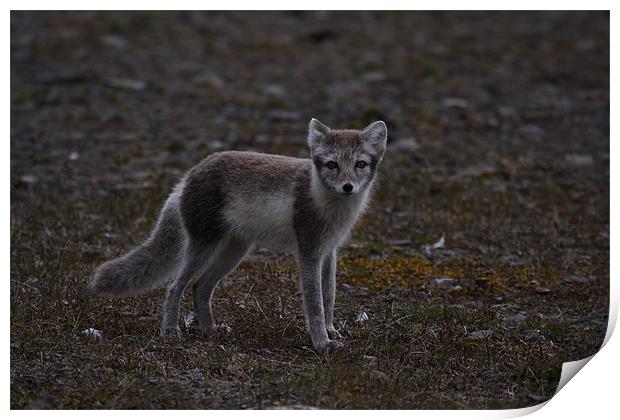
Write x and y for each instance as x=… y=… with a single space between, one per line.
x=317 y=132
x=375 y=135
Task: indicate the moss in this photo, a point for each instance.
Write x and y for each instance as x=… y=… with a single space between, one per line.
x=410 y=271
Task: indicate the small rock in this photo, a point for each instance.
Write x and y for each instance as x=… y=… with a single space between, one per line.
x=266 y=352
x=129 y=84
x=274 y=90
x=455 y=103
x=195 y=374
x=577 y=280
x=537 y=397
x=361 y=317
x=542 y=290
x=531 y=131
x=92 y=333
x=514 y=318
x=378 y=375
x=371 y=360
x=373 y=76
x=216 y=144
x=114 y=41
x=480 y=334
x=446 y=283
x=579 y=160
x=188 y=319
x=454 y=108
x=439 y=244
x=506 y=111
x=476 y=171
x=209 y=80
x=28 y=179
x=512 y=260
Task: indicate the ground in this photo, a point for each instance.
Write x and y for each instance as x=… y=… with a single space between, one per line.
x=499 y=144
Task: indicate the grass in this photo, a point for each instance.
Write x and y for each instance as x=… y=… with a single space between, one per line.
x=416 y=332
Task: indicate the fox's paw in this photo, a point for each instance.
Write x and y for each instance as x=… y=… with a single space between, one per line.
x=328 y=346
x=170 y=332
x=333 y=333
x=216 y=329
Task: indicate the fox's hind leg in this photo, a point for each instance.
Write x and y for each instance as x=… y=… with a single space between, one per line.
x=224 y=260
x=195 y=259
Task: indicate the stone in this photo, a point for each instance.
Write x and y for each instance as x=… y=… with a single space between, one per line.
x=480 y=334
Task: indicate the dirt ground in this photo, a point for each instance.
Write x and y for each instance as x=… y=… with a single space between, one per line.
x=498 y=143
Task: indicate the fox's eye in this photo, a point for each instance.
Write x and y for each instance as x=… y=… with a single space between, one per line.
x=360 y=164
x=332 y=165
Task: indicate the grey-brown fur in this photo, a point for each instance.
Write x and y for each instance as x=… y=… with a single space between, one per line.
x=233 y=200
x=149 y=265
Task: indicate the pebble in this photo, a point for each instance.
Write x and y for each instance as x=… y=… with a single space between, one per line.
x=361 y=317
x=531 y=131
x=114 y=41
x=577 y=280
x=446 y=283
x=475 y=171
x=371 y=360
x=274 y=90
x=515 y=318
x=480 y=334
x=579 y=160
x=455 y=103
x=130 y=84
x=92 y=333
x=28 y=179
x=378 y=375
x=209 y=80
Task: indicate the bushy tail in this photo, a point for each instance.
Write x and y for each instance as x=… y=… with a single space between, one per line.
x=151 y=264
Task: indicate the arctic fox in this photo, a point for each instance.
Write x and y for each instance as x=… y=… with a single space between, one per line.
x=231 y=201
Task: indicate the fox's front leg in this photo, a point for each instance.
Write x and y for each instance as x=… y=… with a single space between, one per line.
x=310 y=278
x=328 y=285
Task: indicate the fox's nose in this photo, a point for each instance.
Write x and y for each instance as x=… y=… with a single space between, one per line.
x=347 y=188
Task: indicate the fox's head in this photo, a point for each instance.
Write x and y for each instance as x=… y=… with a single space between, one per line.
x=346 y=160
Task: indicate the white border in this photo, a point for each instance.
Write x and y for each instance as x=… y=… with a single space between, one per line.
x=312 y=5
x=592 y=394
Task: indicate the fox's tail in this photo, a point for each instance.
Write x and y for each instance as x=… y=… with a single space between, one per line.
x=151 y=264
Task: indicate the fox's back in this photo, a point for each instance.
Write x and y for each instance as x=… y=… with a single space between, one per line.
x=245 y=193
